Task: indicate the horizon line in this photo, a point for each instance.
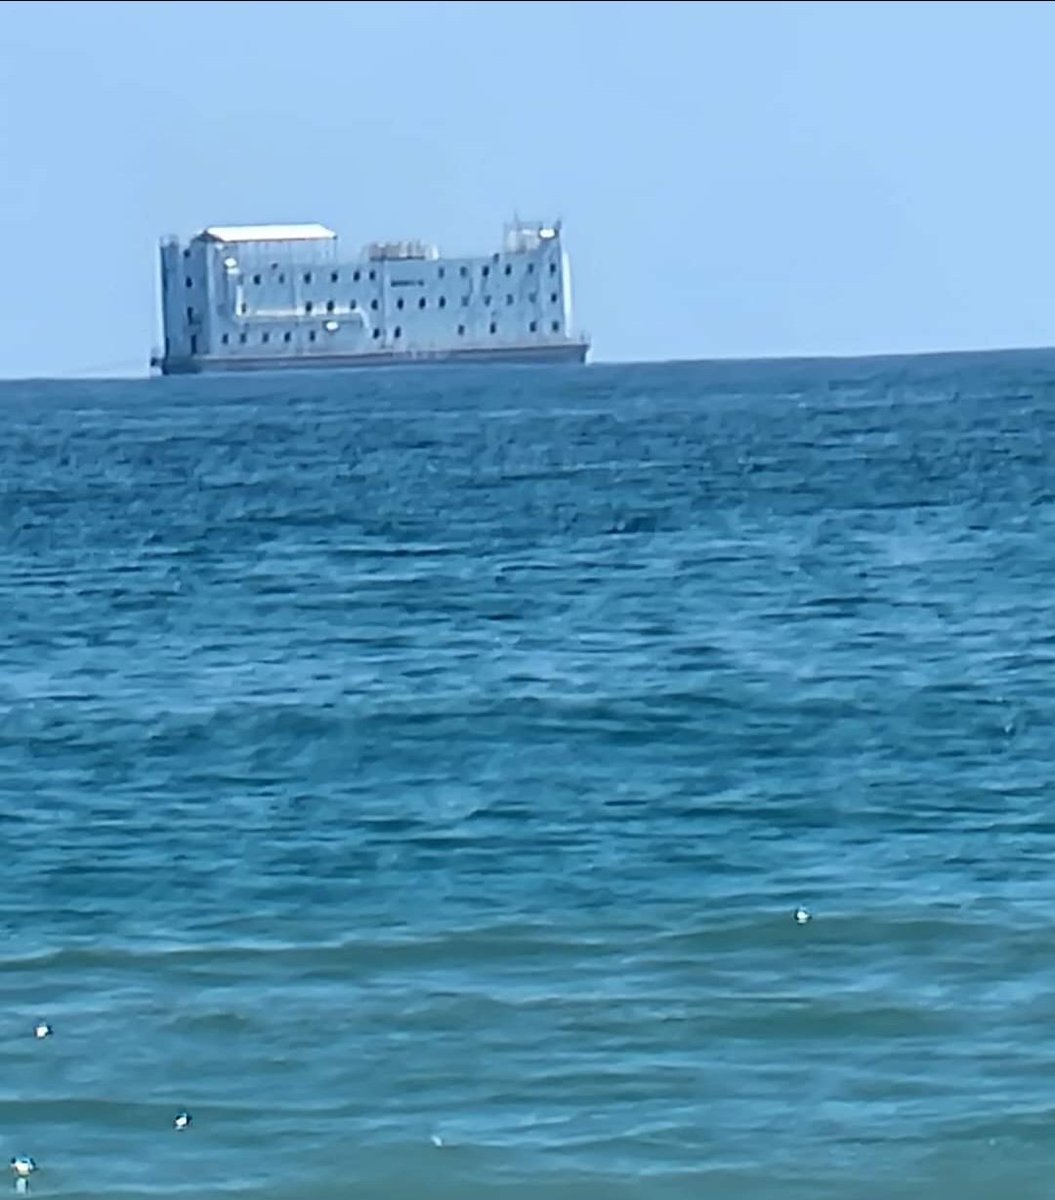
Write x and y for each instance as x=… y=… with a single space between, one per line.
x=86 y=376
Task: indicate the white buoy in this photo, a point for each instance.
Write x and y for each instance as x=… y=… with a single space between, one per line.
x=802 y=916
x=42 y=1030
x=22 y=1167
x=437 y=1140
x=182 y=1121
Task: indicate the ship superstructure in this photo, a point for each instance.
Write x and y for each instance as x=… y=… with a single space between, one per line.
x=272 y=297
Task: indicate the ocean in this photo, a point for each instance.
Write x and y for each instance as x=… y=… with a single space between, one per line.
x=413 y=775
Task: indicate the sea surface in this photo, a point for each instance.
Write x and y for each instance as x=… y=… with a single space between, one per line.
x=413 y=775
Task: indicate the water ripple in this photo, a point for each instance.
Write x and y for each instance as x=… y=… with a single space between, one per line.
x=414 y=775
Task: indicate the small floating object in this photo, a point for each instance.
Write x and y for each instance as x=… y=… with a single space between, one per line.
x=42 y=1030
x=22 y=1167
x=437 y=1140
x=802 y=916
x=182 y=1121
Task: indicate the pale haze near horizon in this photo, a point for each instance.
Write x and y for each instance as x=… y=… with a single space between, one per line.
x=735 y=180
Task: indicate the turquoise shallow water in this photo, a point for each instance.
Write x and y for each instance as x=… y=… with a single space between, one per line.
x=392 y=758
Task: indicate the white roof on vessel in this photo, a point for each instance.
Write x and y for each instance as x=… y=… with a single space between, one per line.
x=267 y=233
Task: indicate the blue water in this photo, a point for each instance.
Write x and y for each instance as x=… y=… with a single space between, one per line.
x=394 y=758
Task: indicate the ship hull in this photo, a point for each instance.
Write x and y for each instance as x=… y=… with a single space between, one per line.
x=564 y=352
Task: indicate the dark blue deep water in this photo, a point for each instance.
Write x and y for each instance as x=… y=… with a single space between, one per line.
x=398 y=758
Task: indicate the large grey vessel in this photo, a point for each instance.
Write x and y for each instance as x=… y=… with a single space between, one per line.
x=277 y=297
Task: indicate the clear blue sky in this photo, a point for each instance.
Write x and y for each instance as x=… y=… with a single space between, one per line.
x=735 y=179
